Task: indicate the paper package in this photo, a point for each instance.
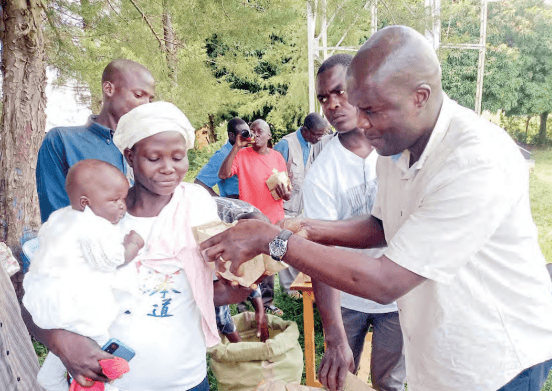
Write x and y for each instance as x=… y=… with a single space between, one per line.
x=352 y=383
x=275 y=179
x=251 y=270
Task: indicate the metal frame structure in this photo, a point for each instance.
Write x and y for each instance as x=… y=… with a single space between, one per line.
x=318 y=45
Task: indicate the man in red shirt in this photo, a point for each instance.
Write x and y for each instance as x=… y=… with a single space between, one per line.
x=253 y=166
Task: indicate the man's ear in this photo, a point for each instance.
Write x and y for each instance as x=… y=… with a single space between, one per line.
x=83 y=202
x=423 y=92
x=108 y=88
x=129 y=156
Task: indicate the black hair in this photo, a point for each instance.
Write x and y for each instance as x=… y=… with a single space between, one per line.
x=315 y=121
x=233 y=123
x=337 y=59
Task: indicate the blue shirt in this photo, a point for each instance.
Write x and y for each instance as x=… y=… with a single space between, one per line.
x=283 y=147
x=209 y=173
x=62 y=148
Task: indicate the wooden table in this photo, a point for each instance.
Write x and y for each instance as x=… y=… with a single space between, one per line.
x=303 y=284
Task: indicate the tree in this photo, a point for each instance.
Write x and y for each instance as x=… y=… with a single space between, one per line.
x=23 y=118
x=518 y=69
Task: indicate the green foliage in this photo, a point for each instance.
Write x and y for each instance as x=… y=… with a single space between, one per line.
x=40 y=350
x=518 y=68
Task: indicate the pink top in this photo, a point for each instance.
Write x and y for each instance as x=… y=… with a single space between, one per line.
x=171 y=245
x=253 y=169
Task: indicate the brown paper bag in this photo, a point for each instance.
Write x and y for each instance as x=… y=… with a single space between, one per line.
x=275 y=179
x=352 y=383
x=252 y=270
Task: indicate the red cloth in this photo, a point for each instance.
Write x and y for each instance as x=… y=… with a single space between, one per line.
x=253 y=169
x=112 y=368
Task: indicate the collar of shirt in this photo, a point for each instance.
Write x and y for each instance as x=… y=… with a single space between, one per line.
x=226 y=148
x=101 y=131
x=301 y=138
x=437 y=135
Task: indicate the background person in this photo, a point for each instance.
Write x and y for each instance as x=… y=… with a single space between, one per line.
x=125 y=85
x=253 y=166
x=453 y=207
x=342 y=184
x=208 y=176
x=299 y=150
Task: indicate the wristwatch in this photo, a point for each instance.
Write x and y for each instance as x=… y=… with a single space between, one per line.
x=278 y=246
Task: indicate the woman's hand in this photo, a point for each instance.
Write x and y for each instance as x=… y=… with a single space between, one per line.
x=239 y=244
x=80 y=355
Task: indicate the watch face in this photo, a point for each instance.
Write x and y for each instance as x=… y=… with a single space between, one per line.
x=278 y=247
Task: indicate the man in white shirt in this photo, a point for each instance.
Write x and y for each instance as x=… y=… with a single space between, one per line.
x=463 y=258
x=342 y=184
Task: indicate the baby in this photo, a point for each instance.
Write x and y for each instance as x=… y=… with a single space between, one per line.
x=76 y=280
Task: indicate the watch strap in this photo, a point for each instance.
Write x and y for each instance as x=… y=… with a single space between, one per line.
x=284 y=234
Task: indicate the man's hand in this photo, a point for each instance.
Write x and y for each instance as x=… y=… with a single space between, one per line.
x=262 y=325
x=284 y=191
x=80 y=355
x=337 y=361
x=242 y=142
x=225 y=292
x=260 y=317
x=239 y=244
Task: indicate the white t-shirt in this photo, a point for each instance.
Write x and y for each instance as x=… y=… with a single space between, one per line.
x=165 y=330
x=340 y=185
x=460 y=217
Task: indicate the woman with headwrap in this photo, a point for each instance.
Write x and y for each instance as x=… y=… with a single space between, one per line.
x=174 y=320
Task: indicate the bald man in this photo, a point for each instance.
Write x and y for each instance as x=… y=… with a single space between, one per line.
x=253 y=165
x=125 y=85
x=463 y=260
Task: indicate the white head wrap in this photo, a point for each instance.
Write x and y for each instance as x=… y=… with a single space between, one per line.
x=149 y=119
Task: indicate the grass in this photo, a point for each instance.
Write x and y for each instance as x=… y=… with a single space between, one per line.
x=541 y=205
x=540 y=185
x=541 y=199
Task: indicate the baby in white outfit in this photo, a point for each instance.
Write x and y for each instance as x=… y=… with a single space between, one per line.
x=76 y=280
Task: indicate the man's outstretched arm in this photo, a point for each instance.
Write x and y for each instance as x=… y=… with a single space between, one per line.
x=377 y=279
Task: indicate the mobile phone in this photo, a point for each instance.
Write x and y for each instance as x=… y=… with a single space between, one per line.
x=118 y=349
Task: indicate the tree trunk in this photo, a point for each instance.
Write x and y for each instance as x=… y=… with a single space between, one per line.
x=23 y=120
x=527 y=126
x=212 y=138
x=168 y=35
x=542 y=129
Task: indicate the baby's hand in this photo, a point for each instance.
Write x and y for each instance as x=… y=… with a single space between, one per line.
x=133 y=238
x=132 y=244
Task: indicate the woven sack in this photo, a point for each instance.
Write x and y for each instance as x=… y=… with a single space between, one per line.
x=244 y=365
